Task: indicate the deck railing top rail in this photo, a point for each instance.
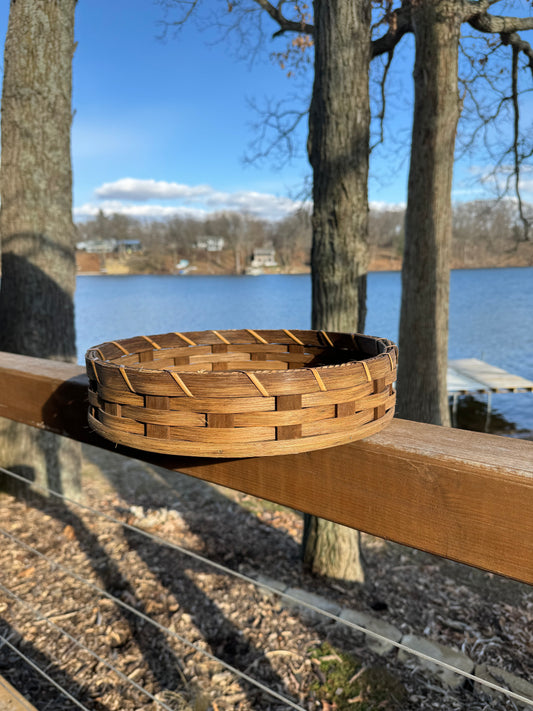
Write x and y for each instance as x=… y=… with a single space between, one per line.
x=461 y=495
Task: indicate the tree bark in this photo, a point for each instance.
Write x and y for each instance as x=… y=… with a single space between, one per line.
x=36 y=228
x=422 y=393
x=338 y=145
x=339 y=123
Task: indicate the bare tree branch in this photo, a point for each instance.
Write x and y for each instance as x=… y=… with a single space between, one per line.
x=381 y=114
x=507 y=28
x=399 y=22
x=285 y=25
x=497 y=24
x=189 y=6
x=275 y=130
x=516 y=42
x=516 y=135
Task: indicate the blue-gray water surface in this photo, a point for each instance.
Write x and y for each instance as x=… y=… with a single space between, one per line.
x=491 y=313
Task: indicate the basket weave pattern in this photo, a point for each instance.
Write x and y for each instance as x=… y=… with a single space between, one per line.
x=241 y=393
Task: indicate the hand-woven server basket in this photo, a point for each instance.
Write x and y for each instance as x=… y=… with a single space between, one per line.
x=241 y=393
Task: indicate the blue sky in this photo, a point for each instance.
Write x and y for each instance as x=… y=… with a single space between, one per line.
x=162 y=127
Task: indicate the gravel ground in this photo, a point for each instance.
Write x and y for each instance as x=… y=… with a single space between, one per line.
x=487 y=617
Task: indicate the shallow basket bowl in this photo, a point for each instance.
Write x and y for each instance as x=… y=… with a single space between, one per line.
x=241 y=393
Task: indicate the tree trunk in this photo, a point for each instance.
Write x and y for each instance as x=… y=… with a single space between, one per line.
x=36 y=228
x=422 y=393
x=339 y=122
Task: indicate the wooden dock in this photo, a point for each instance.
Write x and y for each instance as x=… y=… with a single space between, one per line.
x=470 y=375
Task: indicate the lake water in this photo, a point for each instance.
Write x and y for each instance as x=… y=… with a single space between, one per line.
x=491 y=313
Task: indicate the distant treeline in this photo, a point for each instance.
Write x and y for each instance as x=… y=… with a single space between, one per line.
x=485 y=233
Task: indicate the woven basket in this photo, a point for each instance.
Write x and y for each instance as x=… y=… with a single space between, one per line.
x=241 y=393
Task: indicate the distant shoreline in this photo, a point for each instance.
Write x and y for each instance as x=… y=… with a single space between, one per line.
x=279 y=273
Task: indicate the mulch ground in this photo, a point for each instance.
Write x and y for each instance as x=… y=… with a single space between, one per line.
x=487 y=617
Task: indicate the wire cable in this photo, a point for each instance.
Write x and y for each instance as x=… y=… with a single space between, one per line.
x=162 y=628
x=287 y=596
x=79 y=644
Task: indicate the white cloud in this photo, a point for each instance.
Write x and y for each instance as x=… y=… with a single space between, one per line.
x=110 y=207
x=190 y=200
x=141 y=190
x=381 y=206
x=137 y=198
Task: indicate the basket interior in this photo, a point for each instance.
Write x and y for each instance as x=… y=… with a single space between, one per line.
x=247 y=350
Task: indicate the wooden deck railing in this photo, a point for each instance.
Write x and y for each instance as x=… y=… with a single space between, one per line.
x=461 y=495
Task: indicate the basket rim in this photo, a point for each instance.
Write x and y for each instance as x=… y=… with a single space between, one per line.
x=390 y=348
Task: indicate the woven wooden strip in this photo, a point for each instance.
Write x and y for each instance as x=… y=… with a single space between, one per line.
x=273 y=348
x=258 y=384
x=246 y=449
x=148 y=362
x=120 y=423
x=286 y=417
x=163 y=417
x=121 y=348
x=331 y=397
x=122 y=371
x=227 y=357
x=367 y=371
x=293 y=337
x=160 y=404
x=327 y=338
x=181 y=385
x=222 y=338
x=223 y=405
x=223 y=435
x=185 y=338
x=94 y=371
x=318 y=379
x=93 y=398
x=294 y=360
x=339 y=424
x=379 y=399
x=256 y=335
x=237 y=384
x=269 y=351
x=120 y=396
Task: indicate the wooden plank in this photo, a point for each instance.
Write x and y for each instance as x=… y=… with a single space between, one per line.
x=11 y=700
x=493 y=378
x=461 y=495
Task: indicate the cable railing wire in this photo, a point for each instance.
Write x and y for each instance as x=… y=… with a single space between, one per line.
x=42 y=672
x=212 y=657
x=38 y=615
x=285 y=595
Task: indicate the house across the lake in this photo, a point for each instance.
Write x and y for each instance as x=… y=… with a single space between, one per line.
x=109 y=246
x=263 y=257
x=211 y=244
